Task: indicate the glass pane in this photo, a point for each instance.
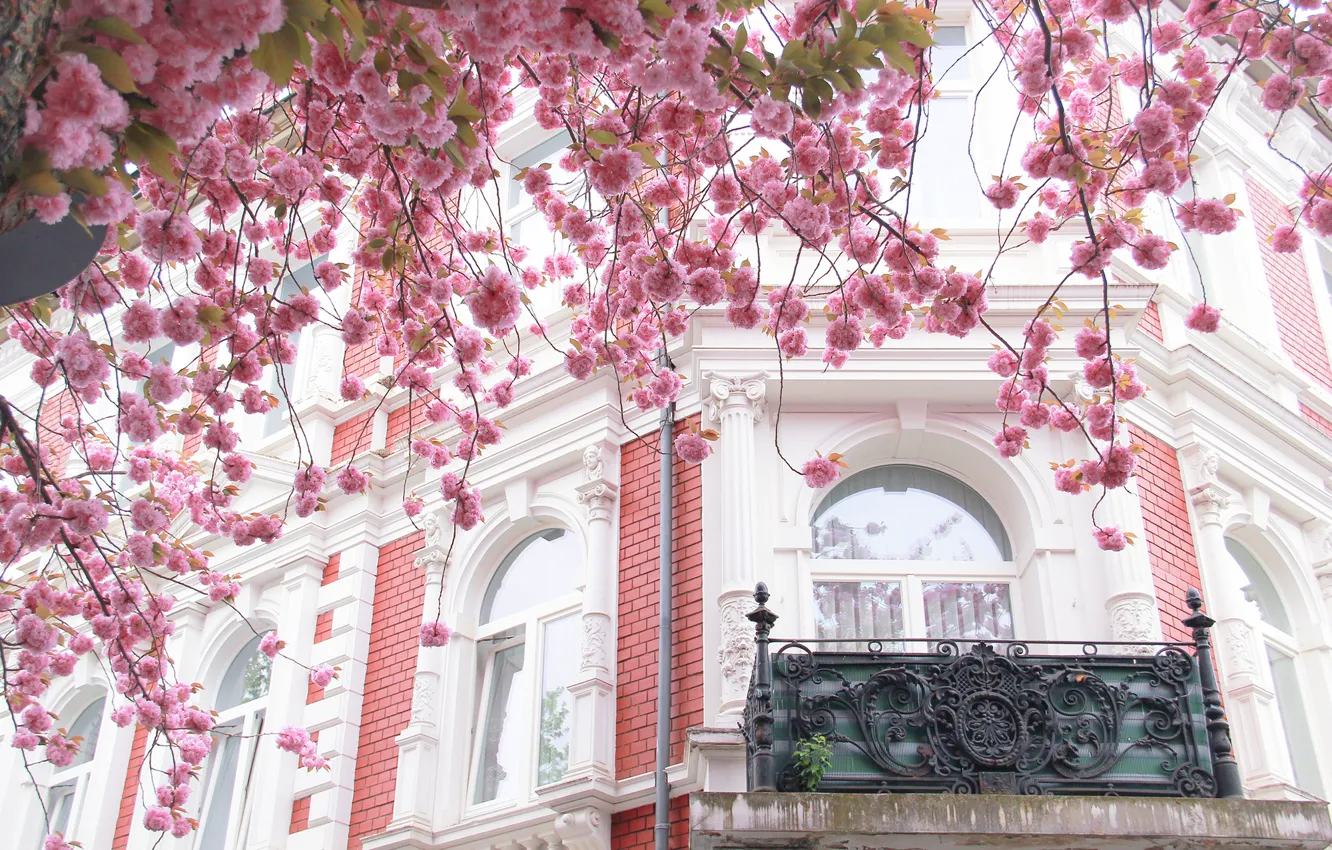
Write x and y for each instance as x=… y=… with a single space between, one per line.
x=945 y=181
x=88 y=726
x=543 y=567
x=559 y=668
x=549 y=151
x=59 y=806
x=501 y=746
x=967 y=610
x=1290 y=705
x=858 y=610
x=221 y=787
x=908 y=513
x=1256 y=586
x=949 y=57
x=246 y=679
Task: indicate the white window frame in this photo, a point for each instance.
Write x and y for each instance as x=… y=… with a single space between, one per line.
x=251 y=715
x=77 y=776
x=532 y=621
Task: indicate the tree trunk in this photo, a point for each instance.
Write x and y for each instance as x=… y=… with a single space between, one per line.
x=23 y=28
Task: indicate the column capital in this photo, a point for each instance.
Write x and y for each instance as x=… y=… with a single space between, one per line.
x=599 y=497
x=745 y=392
x=1210 y=500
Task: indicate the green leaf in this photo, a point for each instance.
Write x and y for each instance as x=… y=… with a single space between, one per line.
x=605 y=137
x=809 y=102
x=451 y=149
x=462 y=110
x=112 y=65
x=42 y=183
x=117 y=28
x=314 y=10
x=351 y=14
x=646 y=153
x=741 y=39
x=147 y=145
x=331 y=26
x=656 y=7
x=85 y=180
x=276 y=55
x=465 y=134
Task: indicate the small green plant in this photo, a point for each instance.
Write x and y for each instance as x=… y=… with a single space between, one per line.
x=811 y=759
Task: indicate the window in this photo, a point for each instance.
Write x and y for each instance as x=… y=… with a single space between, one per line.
x=1269 y=613
x=529 y=639
x=281 y=374
x=950 y=544
x=240 y=706
x=69 y=785
x=944 y=184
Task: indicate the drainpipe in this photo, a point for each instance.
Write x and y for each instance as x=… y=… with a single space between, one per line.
x=662 y=829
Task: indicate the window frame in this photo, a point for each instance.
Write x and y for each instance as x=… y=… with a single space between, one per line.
x=76 y=777
x=528 y=628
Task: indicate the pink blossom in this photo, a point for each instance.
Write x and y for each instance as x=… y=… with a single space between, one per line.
x=1004 y=194
x=435 y=634
x=615 y=171
x=1111 y=539
x=692 y=447
x=1286 y=239
x=820 y=472
x=1203 y=318
x=270 y=645
x=771 y=118
x=352 y=480
x=322 y=675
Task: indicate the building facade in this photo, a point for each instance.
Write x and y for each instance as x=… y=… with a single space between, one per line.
x=534 y=727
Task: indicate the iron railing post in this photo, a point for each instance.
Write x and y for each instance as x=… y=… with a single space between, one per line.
x=1224 y=767
x=758 y=713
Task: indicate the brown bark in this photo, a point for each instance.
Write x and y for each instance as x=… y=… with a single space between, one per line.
x=23 y=28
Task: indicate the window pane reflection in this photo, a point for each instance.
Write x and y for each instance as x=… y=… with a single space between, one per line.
x=858 y=611
x=559 y=669
x=501 y=746
x=967 y=610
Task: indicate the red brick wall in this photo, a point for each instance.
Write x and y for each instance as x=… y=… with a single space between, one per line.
x=129 y=794
x=323 y=627
x=636 y=702
x=632 y=829
x=331 y=570
x=1150 y=323
x=53 y=407
x=1315 y=419
x=1292 y=294
x=394 y=633
x=352 y=437
x=300 y=815
x=1165 y=514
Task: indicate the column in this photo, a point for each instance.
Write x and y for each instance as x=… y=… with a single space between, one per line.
x=735 y=403
x=418 y=744
x=592 y=748
x=1130 y=595
x=1243 y=673
x=275 y=771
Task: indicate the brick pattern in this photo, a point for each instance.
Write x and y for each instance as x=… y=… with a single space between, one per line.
x=352 y=437
x=1150 y=323
x=323 y=627
x=1165 y=515
x=390 y=666
x=331 y=570
x=129 y=794
x=636 y=701
x=53 y=407
x=1292 y=293
x=632 y=829
x=404 y=420
x=300 y=814
x=1322 y=423
x=313 y=693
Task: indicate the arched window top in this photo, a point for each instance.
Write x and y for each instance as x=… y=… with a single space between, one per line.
x=904 y=512
x=246 y=679
x=547 y=565
x=88 y=725
x=1257 y=586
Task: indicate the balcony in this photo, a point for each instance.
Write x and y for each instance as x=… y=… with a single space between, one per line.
x=952 y=744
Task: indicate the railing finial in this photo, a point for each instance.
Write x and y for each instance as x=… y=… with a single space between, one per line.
x=1224 y=767
x=758 y=708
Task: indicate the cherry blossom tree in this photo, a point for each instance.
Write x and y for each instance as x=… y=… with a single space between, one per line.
x=226 y=143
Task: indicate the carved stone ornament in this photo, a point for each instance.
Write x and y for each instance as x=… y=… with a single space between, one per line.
x=599 y=497
x=736 y=653
x=1324 y=576
x=594 y=464
x=1132 y=620
x=733 y=391
x=596 y=639
x=327 y=369
x=423 y=699
x=1239 y=647
x=434 y=555
x=1210 y=501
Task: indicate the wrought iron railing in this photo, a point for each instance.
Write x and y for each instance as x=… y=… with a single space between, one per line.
x=990 y=717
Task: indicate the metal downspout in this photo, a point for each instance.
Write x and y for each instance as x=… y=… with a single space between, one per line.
x=662 y=827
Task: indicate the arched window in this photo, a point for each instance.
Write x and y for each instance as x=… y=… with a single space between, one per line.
x=528 y=641
x=948 y=544
x=69 y=785
x=1268 y=612
x=240 y=705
